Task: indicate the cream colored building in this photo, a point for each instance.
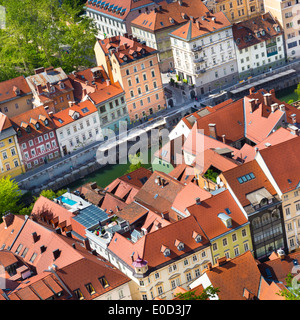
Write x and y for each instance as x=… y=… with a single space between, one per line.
x=287 y=14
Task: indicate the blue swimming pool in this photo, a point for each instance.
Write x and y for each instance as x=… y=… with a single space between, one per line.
x=67 y=200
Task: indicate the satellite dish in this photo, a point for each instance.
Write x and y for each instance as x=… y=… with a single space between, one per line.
x=221 y=184
x=218 y=180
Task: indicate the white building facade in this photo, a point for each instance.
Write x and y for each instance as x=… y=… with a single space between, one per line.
x=208 y=60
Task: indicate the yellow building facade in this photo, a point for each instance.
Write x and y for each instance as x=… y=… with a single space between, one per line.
x=10 y=160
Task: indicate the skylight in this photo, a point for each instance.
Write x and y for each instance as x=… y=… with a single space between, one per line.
x=85 y=110
x=246 y=177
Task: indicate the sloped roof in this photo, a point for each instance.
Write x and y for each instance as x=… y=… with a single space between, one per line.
x=283 y=162
x=149 y=246
x=201 y=26
x=8 y=87
x=236 y=275
x=170 y=14
x=242 y=189
x=207 y=213
x=243 y=29
x=123 y=7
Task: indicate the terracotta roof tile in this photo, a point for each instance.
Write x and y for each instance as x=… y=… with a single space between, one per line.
x=7 y=88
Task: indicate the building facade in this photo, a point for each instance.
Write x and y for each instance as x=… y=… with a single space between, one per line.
x=76 y=126
x=36 y=137
x=135 y=66
x=10 y=155
x=259 y=44
x=15 y=96
x=287 y=14
x=113 y=19
x=204 y=54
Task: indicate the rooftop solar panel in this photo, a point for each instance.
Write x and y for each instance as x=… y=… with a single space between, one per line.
x=90 y=216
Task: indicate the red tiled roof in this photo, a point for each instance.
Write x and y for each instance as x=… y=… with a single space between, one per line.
x=149 y=246
x=7 y=88
x=245 y=32
x=29 y=118
x=106 y=92
x=199 y=27
x=240 y=190
x=207 y=213
x=63 y=118
x=128 y=5
x=124 y=46
x=235 y=276
x=283 y=162
x=4 y=122
x=170 y=15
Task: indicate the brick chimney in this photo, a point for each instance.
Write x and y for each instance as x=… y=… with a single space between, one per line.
x=213 y=130
x=251 y=90
x=252 y=105
x=268 y=99
x=221 y=261
x=294 y=118
x=39 y=89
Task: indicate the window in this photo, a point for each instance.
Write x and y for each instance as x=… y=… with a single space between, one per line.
x=234 y=237
x=215 y=247
x=246 y=246
x=24 y=253
x=33 y=257
x=287 y=211
x=225 y=242
x=156 y=275
x=20 y=246
x=103 y=282
x=298 y=206
x=160 y=290
x=188 y=277
x=78 y=294
x=236 y=251
x=90 y=288
x=244 y=233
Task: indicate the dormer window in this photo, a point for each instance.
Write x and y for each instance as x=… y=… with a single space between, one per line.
x=165 y=250
x=37 y=126
x=62 y=85
x=179 y=245
x=46 y=122
x=225 y=219
x=197 y=237
x=52 y=89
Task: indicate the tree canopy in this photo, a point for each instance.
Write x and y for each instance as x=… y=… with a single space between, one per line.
x=204 y=295
x=45 y=33
x=9 y=195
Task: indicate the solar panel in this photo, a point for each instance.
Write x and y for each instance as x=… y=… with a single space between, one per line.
x=90 y=216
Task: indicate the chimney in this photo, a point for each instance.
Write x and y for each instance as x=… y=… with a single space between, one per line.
x=281 y=254
x=221 y=261
x=207 y=13
x=268 y=99
x=158 y=180
x=74 y=245
x=198 y=24
x=39 y=70
x=107 y=82
x=48 y=70
x=39 y=89
x=87 y=244
x=224 y=138
x=198 y=201
x=214 y=19
x=251 y=90
x=294 y=118
x=58 y=230
x=282 y=107
x=165 y=215
x=8 y=219
x=274 y=107
x=180 y=2
x=209 y=266
x=69 y=234
x=213 y=130
x=34 y=237
x=132 y=257
x=252 y=105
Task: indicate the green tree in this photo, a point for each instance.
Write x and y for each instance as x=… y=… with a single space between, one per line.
x=9 y=195
x=45 y=33
x=290 y=293
x=135 y=162
x=297 y=91
x=204 y=295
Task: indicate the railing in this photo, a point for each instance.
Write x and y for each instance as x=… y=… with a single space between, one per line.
x=199 y=60
x=198 y=48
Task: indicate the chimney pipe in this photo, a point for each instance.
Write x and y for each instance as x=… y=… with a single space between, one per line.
x=224 y=138
x=252 y=105
x=34 y=237
x=8 y=219
x=294 y=118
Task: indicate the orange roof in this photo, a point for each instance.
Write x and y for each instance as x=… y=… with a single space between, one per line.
x=283 y=162
x=170 y=15
x=30 y=118
x=200 y=26
x=106 y=92
x=149 y=246
x=247 y=152
x=125 y=49
x=126 y=5
x=211 y=158
x=4 y=122
x=9 y=231
x=197 y=142
x=8 y=88
x=63 y=117
x=206 y=214
x=241 y=189
x=235 y=276
x=187 y=196
x=245 y=32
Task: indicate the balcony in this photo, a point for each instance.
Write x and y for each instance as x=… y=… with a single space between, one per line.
x=199 y=60
x=200 y=71
x=196 y=49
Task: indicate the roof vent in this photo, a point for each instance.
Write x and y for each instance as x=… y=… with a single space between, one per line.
x=56 y=254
